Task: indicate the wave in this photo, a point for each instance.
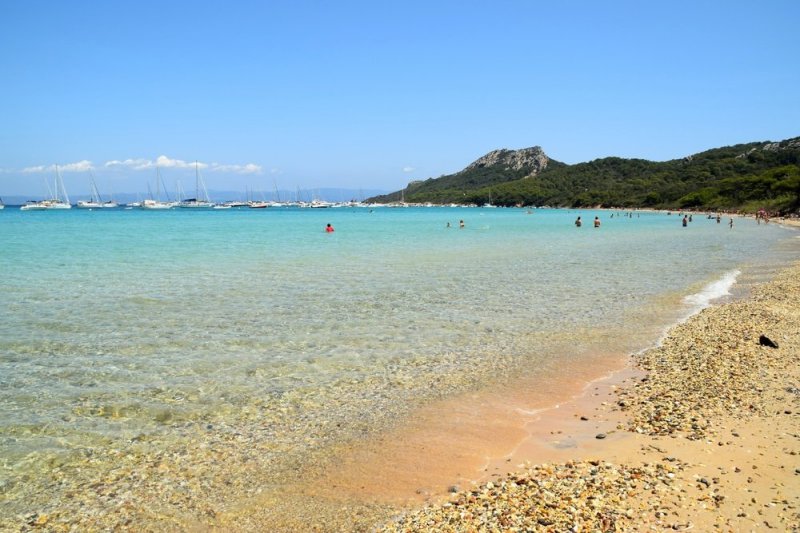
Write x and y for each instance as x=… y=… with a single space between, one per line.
x=712 y=291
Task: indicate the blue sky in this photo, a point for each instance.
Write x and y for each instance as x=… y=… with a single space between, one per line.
x=374 y=94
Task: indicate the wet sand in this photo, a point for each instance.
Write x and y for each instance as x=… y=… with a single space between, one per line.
x=707 y=438
x=702 y=432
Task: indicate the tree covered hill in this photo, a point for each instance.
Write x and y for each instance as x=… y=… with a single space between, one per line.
x=745 y=177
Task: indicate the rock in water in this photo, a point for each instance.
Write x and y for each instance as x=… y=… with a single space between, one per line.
x=763 y=340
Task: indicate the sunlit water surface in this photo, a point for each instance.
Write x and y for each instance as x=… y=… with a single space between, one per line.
x=120 y=324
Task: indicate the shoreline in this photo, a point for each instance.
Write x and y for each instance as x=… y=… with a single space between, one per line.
x=708 y=438
x=426 y=478
x=189 y=474
x=451 y=443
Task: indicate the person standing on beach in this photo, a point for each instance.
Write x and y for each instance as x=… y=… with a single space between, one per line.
x=596 y=222
x=578 y=222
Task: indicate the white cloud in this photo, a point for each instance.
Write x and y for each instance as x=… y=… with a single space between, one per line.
x=408 y=170
x=167 y=162
x=34 y=170
x=79 y=166
x=135 y=164
x=249 y=168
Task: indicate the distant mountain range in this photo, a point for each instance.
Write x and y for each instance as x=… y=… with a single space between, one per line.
x=743 y=177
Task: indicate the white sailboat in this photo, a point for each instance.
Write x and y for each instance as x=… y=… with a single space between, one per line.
x=200 y=200
x=95 y=202
x=2 y=205
x=156 y=203
x=58 y=198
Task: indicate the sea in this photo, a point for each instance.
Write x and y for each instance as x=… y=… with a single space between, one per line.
x=139 y=334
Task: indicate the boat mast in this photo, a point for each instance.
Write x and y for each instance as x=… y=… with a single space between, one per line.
x=50 y=194
x=95 y=192
x=158 y=179
x=63 y=189
x=164 y=185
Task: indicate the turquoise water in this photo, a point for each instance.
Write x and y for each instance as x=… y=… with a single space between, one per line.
x=123 y=323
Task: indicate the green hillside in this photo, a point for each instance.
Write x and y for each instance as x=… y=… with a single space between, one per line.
x=743 y=177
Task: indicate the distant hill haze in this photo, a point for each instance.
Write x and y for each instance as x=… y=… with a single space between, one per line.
x=747 y=177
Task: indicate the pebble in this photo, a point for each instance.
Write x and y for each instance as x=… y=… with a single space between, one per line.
x=574 y=496
x=706 y=367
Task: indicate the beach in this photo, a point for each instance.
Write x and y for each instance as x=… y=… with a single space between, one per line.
x=342 y=382
x=706 y=437
x=700 y=432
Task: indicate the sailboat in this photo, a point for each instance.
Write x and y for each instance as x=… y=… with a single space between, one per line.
x=199 y=201
x=58 y=198
x=276 y=202
x=156 y=203
x=2 y=205
x=255 y=204
x=95 y=202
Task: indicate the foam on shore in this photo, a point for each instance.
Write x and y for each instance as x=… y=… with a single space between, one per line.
x=709 y=441
x=712 y=291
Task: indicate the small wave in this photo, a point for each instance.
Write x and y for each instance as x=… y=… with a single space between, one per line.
x=712 y=291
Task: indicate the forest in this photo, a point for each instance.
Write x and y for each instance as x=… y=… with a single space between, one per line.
x=743 y=177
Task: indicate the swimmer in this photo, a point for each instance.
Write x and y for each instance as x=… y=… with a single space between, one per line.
x=329 y=229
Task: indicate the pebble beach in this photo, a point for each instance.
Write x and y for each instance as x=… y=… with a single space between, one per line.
x=707 y=437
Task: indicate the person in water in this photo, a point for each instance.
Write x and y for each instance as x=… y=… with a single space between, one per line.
x=596 y=222
x=685 y=221
x=329 y=228
x=578 y=222
x=460 y=223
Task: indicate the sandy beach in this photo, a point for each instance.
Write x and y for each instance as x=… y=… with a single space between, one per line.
x=701 y=432
x=706 y=437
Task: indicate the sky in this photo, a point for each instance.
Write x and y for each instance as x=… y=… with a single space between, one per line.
x=373 y=94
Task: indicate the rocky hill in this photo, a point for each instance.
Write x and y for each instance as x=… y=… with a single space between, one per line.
x=532 y=159
x=495 y=168
x=748 y=177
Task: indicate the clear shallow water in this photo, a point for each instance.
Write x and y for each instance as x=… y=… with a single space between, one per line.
x=117 y=324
